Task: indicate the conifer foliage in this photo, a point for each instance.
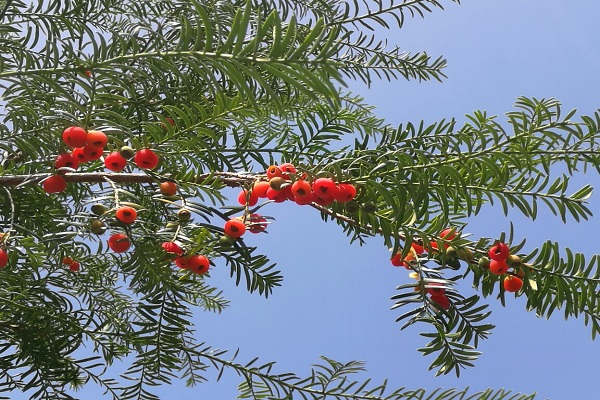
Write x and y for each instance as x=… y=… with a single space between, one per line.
x=121 y=122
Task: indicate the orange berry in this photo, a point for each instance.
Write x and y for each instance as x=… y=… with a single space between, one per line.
x=126 y=214
x=168 y=188
x=54 y=184
x=96 y=139
x=234 y=228
x=274 y=171
x=260 y=189
x=512 y=283
x=119 y=242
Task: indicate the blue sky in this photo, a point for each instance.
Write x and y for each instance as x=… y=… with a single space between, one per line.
x=335 y=300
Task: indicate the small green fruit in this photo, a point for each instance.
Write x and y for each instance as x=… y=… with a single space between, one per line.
x=98 y=209
x=226 y=241
x=484 y=262
x=98 y=227
x=127 y=152
x=513 y=261
x=369 y=207
x=184 y=214
x=352 y=207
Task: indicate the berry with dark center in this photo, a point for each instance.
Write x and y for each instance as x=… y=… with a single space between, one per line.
x=127 y=152
x=435 y=289
x=499 y=252
x=79 y=154
x=278 y=196
x=286 y=169
x=484 y=262
x=305 y=200
x=346 y=192
x=126 y=214
x=96 y=139
x=273 y=171
x=146 y=159
x=198 y=264
x=54 y=184
x=74 y=136
x=98 y=227
x=184 y=214
x=325 y=188
x=92 y=152
x=66 y=160
x=119 y=242
x=115 y=161
x=498 y=267
x=234 y=228
x=323 y=201
x=301 y=189
x=277 y=182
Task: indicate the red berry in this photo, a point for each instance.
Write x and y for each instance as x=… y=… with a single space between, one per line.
x=115 y=161
x=54 y=184
x=498 y=267
x=119 y=242
x=260 y=189
x=79 y=155
x=182 y=262
x=66 y=160
x=198 y=264
x=3 y=258
x=301 y=189
x=305 y=200
x=286 y=169
x=448 y=234
x=346 y=192
x=325 y=188
x=74 y=266
x=438 y=290
x=96 y=139
x=499 y=252
x=257 y=223
x=234 y=228
x=146 y=159
x=441 y=300
x=512 y=283
x=67 y=260
x=323 y=201
x=278 y=196
x=397 y=260
x=168 y=188
x=92 y=152
x=171 y=247
x=274 y=171
x=74 y=136
x=417 y=248
x=126 y=214
x=247 y=197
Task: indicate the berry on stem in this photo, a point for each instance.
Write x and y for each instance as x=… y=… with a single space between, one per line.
x=146 y=159
x=234 y=228
x=260 y=189
x=126 y=214
x=119 y=242
x=74 y=266
x=273 y=171
x=346 y=192
x=74 y=136
x=325 y=188
x=115 y=161
x=79 y=154
x=498 y=267
x=96 y=139
x=247 y=198
x=512 y=283
x=168 y=188
x=499 y=252
x=54 y=184
x=92 y=152
x=198 y=264
x=301 y=189
x=66 y=160
x=441 y=300
x=171 y=247
x=257 y=223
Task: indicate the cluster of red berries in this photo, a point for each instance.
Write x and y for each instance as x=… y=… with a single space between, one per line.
x=499 y=262
x=89 y=145
x=196 y=263
x=281 y=187
x=72 y=264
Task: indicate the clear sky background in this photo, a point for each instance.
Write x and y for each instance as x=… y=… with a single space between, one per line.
x=335 y=300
